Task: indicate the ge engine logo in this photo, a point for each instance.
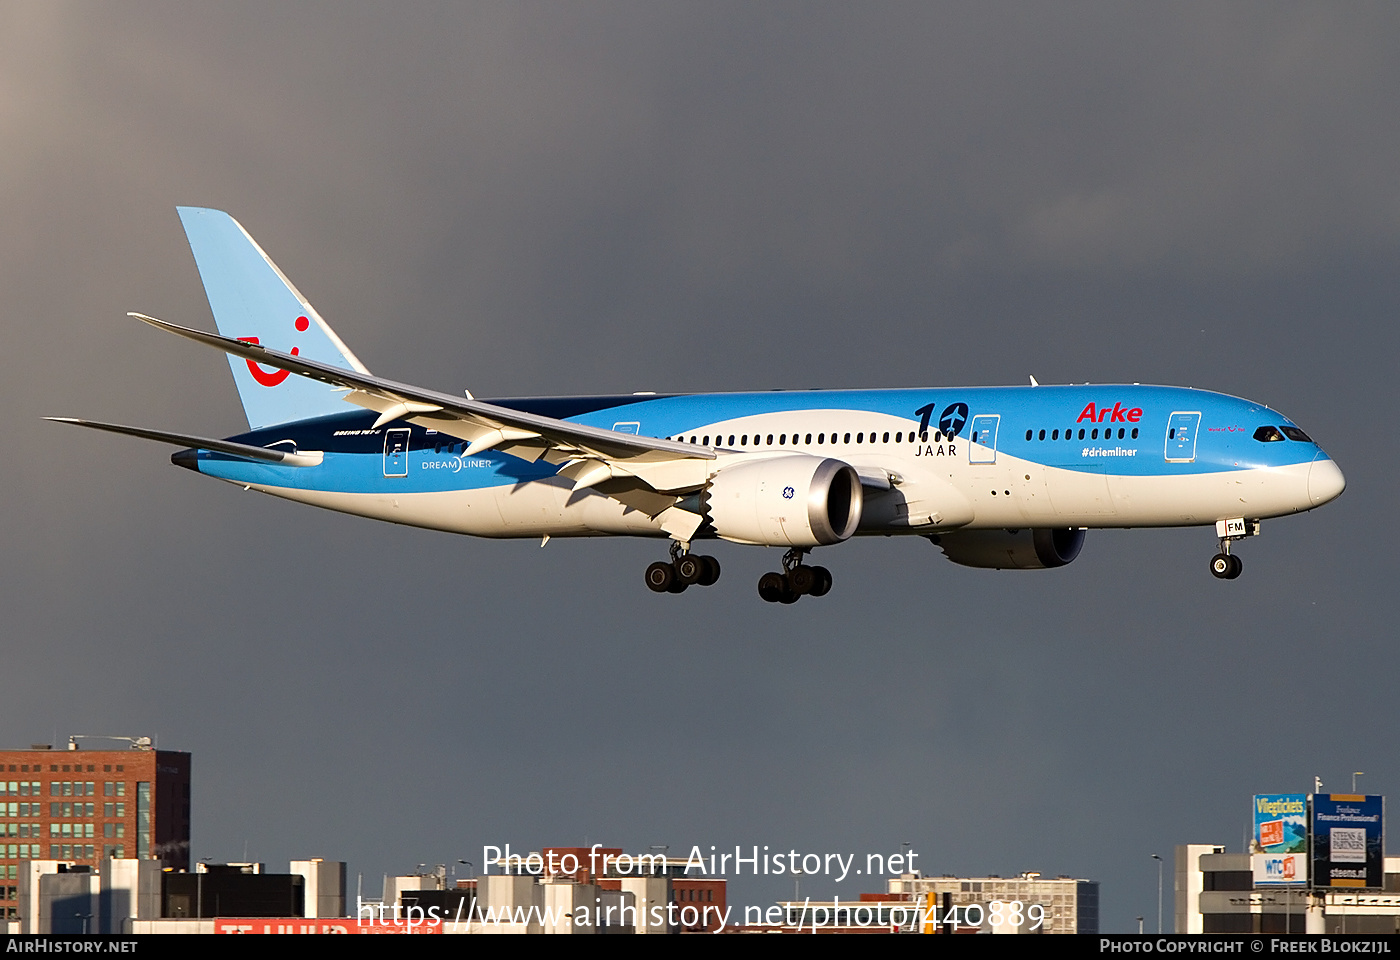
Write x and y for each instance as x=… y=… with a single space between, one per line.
x=788 y=493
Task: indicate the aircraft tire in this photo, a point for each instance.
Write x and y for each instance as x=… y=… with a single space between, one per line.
x=710 y=575
x=660 y=576
x=690 y=568
x=801 y=579
x=1236 y=567
x=1221 y=566
x=771 y=587
x=823 y=585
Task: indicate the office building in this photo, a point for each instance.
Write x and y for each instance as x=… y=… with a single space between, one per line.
x=86 y=806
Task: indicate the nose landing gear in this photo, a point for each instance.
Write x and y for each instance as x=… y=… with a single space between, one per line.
x=796 y=580
x=684 y=569
x=1225 y=565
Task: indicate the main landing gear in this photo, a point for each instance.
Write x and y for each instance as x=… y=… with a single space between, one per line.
x=796 y=579
x=684 y=569
x=1225 y=565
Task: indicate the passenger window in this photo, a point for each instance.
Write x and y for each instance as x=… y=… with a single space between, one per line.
x=1268 y=435
x=848 y=438
x=1028 y=434
x=1081 y=433
x=770 y=439
x=1042 y=434
x=1055 y=435
x=1135 y=430
x=809 y=439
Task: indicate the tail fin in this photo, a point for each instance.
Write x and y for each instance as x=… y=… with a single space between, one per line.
x=252 y=300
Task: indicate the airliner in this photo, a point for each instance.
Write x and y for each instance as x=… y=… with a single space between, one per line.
x=996 y=477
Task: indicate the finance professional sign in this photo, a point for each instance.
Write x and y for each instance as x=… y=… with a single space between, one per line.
x=1348 y=844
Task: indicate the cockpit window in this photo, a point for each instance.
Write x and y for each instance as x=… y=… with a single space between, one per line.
x=1293 y=433
x=1268 y=435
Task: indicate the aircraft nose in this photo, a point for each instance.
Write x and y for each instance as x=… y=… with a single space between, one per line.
x=1325 y=482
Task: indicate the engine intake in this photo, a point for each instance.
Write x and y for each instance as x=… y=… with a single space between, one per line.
x=793 y=501
x=1011 y=549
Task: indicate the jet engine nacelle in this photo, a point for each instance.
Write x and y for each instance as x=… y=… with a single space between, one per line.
x=1024 y=549
x=785 y=501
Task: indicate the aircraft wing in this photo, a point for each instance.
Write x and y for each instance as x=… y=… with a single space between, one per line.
x=616 y=463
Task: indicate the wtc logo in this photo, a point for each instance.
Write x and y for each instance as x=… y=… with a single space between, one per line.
x=276 y=376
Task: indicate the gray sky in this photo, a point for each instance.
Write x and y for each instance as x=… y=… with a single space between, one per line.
x=541 y=198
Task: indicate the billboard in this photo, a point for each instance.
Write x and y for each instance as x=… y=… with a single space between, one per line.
x=1348 y=844
x=1280 y=869
x=1280 y=823
x=1280 y=843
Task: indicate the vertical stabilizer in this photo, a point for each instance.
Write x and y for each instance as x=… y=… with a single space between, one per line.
x=252 y=300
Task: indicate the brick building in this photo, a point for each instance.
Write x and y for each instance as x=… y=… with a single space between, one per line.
x=83 y=806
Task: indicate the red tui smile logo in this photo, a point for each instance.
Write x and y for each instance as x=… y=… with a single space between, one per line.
x=276 y=376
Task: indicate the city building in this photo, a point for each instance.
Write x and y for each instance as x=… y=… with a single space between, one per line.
x=83 y=806
x=626 y=893
x=1216 y=893
x=142 y=896
x=1028 y=903
x=1067 y=904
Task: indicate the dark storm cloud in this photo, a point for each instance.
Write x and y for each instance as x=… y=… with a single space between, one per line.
x=531 y=198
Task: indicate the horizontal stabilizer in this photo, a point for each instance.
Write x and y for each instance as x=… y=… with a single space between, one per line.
x=286 y=458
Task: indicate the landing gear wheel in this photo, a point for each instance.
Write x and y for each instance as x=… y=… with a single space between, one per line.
x=1224 y=567
x=660 y=576
x=1236 y=567
x=710 y=575
x=823 y=582
x=690 y=568
x=801 y=579
x=772 y=587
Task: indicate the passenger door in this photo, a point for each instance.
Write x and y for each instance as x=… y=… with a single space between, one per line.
x=983 y=438
x=1181 y=436
x=396 y=452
